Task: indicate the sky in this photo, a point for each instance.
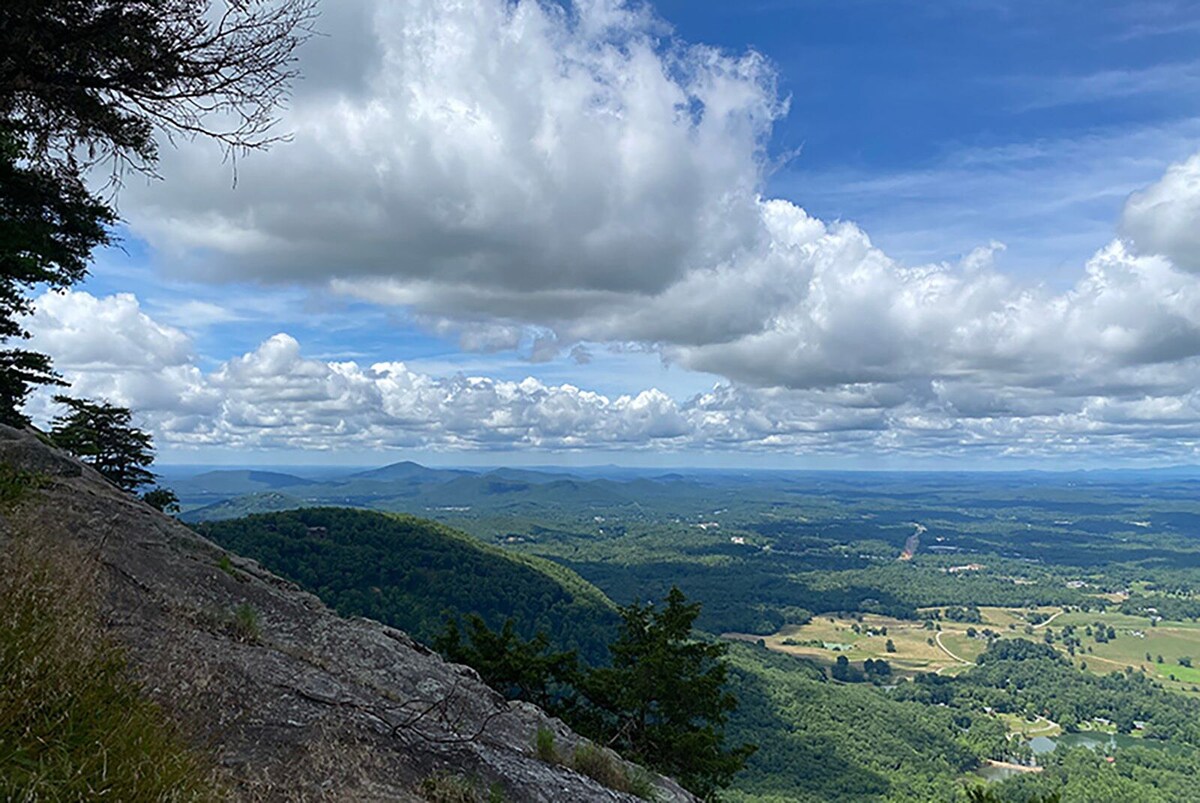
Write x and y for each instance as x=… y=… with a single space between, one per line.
x=785 y=233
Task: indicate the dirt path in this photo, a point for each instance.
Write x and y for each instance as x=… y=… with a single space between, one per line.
x=1049 y=726
x=1048 y=621
x=937 y=637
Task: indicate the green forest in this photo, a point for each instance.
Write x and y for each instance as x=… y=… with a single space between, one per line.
x=415 y=574
x=954 y=661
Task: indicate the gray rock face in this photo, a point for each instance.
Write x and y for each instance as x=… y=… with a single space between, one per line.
x=297 y=702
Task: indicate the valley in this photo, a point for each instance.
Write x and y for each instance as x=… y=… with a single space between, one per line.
x=944 y=646
x=1086 y=580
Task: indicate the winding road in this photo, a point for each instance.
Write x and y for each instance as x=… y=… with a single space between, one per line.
x=1048 y=621
x=937 y=637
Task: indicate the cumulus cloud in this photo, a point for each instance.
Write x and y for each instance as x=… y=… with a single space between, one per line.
x=109 y=348
x=83 y=331
x=1165 y=217
x=487 y=145
x=528 y=176
x=863 y=318
x=275 y=397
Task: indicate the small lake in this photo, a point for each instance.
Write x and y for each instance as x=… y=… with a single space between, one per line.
x=1108 y=742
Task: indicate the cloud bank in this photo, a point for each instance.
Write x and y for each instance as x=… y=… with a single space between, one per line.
x=276 y=398
x=517 y=172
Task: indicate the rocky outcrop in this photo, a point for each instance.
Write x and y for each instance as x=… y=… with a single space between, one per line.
x=295 y=702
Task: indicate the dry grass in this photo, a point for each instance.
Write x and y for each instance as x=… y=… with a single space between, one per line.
x=73 y=726
x=602 y=766
x=597 y=763
x=443 y=788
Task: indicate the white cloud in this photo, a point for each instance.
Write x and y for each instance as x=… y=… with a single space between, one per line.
x=109 y=348
x=534 y=178
x=490 y=146
x=1165 y=217
x=83 y=331
x=274 y=397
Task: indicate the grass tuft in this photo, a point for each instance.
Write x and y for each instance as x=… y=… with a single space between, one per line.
x=600 y=765
x=16 y=484
x=544 y=746
x=445 y=788
x=73 y=725
x=245 y=624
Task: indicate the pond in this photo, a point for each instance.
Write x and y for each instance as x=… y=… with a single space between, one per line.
x=1041 y=745
x=1108 y=742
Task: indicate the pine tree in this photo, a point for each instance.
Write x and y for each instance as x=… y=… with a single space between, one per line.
x=102 y=435
x=49 y=225
x=90 y=81
x=163 y=499
x=663 y=702
x=520 y=669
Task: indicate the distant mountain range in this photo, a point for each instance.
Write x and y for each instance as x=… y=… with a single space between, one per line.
x=411 y=487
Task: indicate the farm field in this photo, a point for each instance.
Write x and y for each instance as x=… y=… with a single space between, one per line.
x=1136 y=639
x=950 y=649
x=917 y=648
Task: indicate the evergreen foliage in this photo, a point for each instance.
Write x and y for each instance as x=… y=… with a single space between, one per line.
x=83 y=81
x=163 y=499
x=49 y=226
x=103 y=436
x=663 y=701
x=517 y=668
x=414 y=574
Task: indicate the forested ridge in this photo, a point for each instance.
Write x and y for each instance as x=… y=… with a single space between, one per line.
x=416 y=574
x=819 y=738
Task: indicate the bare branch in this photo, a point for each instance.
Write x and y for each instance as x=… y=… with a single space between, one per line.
x=91 y=82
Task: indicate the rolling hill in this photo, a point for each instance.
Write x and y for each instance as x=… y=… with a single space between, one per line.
x=414 y=574
x=265 y=502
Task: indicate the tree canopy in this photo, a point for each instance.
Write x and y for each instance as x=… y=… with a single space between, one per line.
x=664 y=698
x=102 y=435
x=101 y=77
x=49 y=225
x=88 y=81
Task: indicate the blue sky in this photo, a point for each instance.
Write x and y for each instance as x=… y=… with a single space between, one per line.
x=856 y=248
x=1086 y=101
